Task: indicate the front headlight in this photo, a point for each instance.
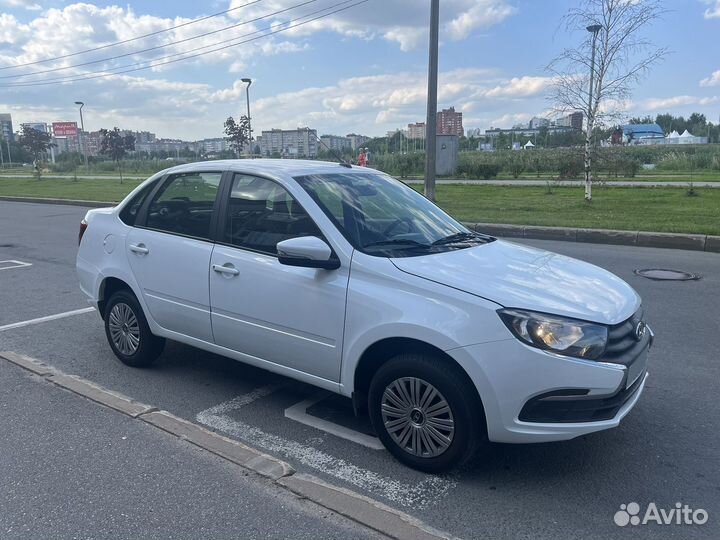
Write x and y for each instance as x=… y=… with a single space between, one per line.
x=558 y=334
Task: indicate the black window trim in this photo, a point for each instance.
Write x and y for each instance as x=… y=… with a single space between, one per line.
x=141 y=220
x=224 y=195
x=153 y=187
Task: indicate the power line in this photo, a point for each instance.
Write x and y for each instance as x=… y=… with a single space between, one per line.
x=107 y=73
x=156 y=47
x=129 y=40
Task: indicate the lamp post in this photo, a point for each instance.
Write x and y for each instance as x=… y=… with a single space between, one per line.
x=431 y=122
x=248 y=82
x=81 y=140
x=593 y=29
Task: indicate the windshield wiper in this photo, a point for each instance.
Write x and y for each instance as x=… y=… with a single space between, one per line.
x=461 y=237
x=398 y=242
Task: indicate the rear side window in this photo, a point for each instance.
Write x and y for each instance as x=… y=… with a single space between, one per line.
x=184 y=205
x=262 y=213
x=129 y=213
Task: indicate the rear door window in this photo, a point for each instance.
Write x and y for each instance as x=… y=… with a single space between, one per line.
x=184 y=205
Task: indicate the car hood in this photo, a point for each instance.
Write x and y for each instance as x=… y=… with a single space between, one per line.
x=520 y=276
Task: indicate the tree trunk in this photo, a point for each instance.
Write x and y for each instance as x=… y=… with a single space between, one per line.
x=588 y=161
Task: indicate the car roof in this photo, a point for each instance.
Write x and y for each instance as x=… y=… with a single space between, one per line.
x=272 y=167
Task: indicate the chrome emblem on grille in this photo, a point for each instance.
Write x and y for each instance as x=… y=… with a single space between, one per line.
x=640 y=330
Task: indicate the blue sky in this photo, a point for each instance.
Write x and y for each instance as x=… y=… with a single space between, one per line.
x=362 y=70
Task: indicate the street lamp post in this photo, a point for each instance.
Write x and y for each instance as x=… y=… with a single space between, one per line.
x=431 y=123
x=593 y=29
x=248 y=82
x=81 y=140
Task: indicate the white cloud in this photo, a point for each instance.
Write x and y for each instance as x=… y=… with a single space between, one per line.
x=712 y=80
x=521 y=87
x=713 y=12
x=654 y=104
x=24 y=4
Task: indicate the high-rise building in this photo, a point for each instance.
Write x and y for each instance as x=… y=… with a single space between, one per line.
x=450 y=122
x=356 y=141
x=537 y=123
x=294 y=143
x=6 y=127
x=416 y=130
x=574 y=121
x=336 y=143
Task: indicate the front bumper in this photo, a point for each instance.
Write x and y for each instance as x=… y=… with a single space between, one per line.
x=531 y=395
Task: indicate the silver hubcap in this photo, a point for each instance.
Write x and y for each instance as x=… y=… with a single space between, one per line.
x=417 y=417
x=124 y=329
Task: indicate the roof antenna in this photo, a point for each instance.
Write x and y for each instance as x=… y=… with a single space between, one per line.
x=342 y=162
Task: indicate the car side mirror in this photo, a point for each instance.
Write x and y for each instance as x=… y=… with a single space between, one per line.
x=306 y=252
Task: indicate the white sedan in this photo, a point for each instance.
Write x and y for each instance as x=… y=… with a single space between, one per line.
x=347 y=279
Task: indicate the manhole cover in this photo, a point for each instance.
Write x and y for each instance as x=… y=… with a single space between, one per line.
x=662 y=274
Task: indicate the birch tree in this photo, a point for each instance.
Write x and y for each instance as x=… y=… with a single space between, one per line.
x=598 y=76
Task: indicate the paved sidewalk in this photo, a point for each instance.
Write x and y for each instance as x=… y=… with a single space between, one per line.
x=74 y=469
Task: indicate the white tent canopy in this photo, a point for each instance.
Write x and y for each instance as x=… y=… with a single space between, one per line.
x=529 y=144
x=686 y=134
x=673 y=135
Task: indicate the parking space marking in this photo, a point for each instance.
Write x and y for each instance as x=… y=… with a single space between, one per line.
x=39 y=320
x=417 y=495
x=11 y=263
x=298 y=412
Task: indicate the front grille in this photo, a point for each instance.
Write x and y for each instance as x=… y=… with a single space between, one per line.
x=623 y=347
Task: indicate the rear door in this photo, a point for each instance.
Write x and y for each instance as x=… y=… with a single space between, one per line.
x=286 y=315
x=169 y=252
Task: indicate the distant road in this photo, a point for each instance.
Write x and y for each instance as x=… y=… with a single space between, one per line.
x=530 y=183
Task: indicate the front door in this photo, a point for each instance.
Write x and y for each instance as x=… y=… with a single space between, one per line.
x=290 y=316
x=170 y=251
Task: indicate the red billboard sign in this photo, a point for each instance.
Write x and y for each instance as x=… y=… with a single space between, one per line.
x=65 y=129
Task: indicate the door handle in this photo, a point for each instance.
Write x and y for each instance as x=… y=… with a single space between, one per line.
x=228 y=270
x=139 y=248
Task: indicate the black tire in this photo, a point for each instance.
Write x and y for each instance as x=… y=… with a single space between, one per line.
x=148 y=346
x=465 y=414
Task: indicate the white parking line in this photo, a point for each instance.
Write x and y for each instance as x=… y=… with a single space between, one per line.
x=46 y=319
x=298 y=412
x=11 y=263
x=417 y=495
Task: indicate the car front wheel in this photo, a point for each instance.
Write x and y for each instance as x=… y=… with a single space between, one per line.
x=426 y=412
x=128 y=332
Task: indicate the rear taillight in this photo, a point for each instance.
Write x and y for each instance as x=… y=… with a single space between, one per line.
x=83 y=228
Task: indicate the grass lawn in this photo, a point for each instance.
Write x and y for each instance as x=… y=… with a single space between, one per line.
x=66 y=188
x=645 y=209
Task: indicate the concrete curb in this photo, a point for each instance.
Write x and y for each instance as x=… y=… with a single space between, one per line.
x=364 y=510
x=217 y=444
x=693 y=242
x=369 y=513
x=30 y=364
x=69 y=202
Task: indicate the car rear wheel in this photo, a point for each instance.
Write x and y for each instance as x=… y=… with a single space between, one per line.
x=426 y=412
x=128 y=332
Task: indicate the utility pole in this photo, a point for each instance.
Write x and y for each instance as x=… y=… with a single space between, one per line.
x=594 y=29
x=81 y=139
x=248 y=82
x=431 y=124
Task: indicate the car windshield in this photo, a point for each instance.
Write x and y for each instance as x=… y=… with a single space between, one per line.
x=383 y=217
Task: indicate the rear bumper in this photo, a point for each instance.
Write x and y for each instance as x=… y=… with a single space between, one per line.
x=530 y=395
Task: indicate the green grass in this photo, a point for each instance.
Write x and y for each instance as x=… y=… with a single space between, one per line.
x=67 y=188
x=645 y=209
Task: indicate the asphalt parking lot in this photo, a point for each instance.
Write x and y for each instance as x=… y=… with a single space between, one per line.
x=666 y=451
